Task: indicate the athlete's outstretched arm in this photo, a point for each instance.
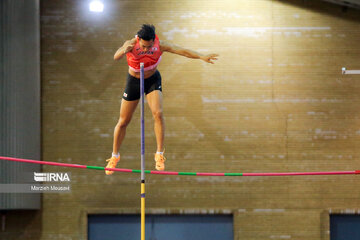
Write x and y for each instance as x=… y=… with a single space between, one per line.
x=126 y=47
x=172 y=48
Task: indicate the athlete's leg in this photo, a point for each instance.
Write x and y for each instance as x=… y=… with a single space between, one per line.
x=154 y=99
x=127 y=109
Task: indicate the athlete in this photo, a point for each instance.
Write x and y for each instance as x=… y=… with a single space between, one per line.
x=147 y=48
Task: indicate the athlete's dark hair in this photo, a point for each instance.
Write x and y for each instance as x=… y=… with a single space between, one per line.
x=147 y=32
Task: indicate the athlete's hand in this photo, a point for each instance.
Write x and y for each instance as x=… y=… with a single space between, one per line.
x=209 y=57
x=128 y=46
x=125 y=48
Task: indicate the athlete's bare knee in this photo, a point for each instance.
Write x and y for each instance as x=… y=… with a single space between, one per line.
x=123 y=122
x=158 y=115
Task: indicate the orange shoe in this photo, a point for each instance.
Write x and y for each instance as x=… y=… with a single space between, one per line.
x=160 y=162
x=112 y=164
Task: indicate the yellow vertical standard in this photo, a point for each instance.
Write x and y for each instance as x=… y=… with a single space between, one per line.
x=143 y=210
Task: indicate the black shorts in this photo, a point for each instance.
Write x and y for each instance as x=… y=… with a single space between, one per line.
x=132 y=89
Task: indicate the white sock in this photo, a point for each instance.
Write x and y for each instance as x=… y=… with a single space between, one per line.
x=115 y=155
x=162 y=153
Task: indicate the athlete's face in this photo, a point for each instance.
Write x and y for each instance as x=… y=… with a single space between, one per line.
x=146 y=45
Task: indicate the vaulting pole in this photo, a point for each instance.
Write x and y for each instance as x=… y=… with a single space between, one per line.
x=142 y=152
